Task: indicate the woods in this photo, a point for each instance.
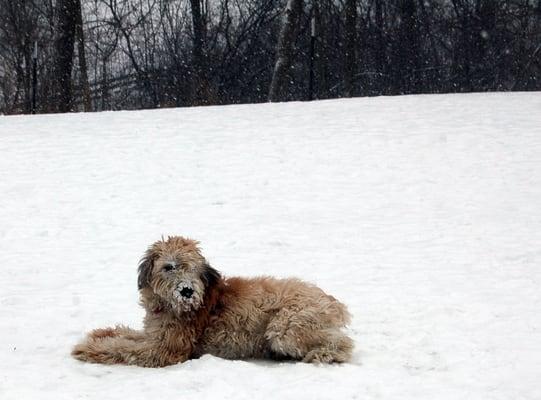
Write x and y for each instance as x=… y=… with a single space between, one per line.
x=129 y=54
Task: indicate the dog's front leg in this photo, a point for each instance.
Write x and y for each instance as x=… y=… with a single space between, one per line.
x=119 y=349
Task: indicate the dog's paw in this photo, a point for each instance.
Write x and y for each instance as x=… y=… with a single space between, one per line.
x=84 y=352
x=328 y=355
x=320 y=356
x=100 y=351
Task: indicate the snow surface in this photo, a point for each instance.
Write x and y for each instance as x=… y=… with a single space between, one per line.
x=421 y=213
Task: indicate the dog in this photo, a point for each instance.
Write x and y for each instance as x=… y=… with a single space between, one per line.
x=192 y=310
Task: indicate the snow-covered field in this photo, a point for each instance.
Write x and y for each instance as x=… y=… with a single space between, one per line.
x=422 y=213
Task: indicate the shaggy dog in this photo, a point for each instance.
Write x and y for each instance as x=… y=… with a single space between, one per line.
x=192 y=310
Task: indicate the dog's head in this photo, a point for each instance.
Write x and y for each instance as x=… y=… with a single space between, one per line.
x=177 y=273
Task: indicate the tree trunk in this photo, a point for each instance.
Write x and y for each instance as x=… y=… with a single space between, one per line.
x=321 y=56
x=85 y=87
x=284 y=51
x=67 y=17
x=380 y=56
x=105 y=101
x=201 y=87
x=432 y=79
x=350 y=58
x=408 y=50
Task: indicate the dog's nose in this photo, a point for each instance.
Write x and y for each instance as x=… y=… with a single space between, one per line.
x=186 y=292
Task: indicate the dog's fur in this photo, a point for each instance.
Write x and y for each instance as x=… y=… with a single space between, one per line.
x=230 y=318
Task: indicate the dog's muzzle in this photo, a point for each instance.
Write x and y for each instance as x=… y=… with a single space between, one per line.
x=186 y=292
x=183 y=291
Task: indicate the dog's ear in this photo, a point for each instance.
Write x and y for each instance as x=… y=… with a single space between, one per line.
x=210 y=276
x=145 y=268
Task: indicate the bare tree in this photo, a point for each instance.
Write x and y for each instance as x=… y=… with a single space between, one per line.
x=380 y=51
x=20 y=27
x=350 y=57
x=81 y=53
x=285 y=49
x=407 y=51
x=67 y=19
x=201 y=87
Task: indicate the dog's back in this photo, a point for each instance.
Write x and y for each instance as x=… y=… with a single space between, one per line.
x=288 y=318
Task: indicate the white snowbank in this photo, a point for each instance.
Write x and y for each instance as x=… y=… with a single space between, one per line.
x=422 y=213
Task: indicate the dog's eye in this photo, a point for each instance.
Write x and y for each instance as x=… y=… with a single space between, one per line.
x=168 y=267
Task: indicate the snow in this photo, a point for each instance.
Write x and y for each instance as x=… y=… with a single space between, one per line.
x=421 y=213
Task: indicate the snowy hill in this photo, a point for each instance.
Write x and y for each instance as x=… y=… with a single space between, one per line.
x=421 y=213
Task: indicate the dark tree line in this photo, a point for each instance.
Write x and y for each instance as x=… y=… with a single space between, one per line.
x=129 y=54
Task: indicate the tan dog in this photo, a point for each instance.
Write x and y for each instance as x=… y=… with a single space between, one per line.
x=191 y=310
